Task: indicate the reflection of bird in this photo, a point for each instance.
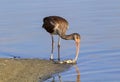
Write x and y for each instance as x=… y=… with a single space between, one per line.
x=56 y=25
x=78 y=73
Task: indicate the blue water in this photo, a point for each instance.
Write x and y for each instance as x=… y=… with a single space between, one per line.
x=97 y=21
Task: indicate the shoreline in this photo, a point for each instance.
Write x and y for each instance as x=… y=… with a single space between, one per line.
x=28 y=70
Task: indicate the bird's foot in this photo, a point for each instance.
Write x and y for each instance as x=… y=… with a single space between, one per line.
x=58 y=59
x=51 y=57
x=70 y=61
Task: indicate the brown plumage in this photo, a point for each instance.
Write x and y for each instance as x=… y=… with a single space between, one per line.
x=56 y=25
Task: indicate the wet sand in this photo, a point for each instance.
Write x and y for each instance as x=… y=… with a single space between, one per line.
x=28 y=70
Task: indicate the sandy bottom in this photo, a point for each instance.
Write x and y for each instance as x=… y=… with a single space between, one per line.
x=28 y=70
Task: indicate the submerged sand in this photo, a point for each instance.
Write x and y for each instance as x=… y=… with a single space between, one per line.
x=28 y=70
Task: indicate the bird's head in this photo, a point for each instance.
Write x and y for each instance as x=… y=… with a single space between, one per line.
x=76 y=38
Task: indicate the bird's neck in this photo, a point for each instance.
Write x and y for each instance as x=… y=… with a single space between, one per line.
x=67 y=37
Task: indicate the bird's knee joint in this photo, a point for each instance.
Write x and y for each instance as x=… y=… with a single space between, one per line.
x=58 y=45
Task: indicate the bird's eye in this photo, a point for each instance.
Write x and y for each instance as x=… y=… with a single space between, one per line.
x=77 y=37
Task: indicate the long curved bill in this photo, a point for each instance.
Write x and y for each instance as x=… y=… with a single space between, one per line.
x=77 y=49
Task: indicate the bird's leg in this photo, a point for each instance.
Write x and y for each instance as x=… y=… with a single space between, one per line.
x=58 y=48
x=59 y=76
x=51 y=56
x=53 y=79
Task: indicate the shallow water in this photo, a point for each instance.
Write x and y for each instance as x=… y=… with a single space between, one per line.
x=97 y=21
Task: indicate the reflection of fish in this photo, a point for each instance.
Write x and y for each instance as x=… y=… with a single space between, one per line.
x=56 y=25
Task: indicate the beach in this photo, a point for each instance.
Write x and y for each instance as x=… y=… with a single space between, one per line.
x=28 y=70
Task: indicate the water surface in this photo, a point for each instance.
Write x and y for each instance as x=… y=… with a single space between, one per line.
x=97 y=21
